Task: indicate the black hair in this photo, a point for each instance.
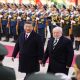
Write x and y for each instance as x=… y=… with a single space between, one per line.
x=28 y=22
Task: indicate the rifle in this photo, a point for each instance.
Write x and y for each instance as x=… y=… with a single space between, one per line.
x=0 y=23
x=17 y=26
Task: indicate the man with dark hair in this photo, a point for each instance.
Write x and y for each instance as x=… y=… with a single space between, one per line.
x=30 y=48
x=6 y=73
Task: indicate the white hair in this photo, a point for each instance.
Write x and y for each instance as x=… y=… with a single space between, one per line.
x=58 y=29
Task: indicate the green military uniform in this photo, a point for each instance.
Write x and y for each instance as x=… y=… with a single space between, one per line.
x=55 y=19
x=76 y=26
x=21 y=22
x=76 y=30
x=6 y=73
x=66 y=24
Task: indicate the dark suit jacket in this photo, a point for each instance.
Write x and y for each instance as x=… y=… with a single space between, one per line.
x=59 y=57
x=7 y=73
x=30 y=52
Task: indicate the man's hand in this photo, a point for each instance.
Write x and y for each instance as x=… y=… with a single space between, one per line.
x=40 y=61
x=13 y=59
x=43 y=65
x=67 y=67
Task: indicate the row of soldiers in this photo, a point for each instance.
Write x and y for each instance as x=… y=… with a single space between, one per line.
x=13 y=17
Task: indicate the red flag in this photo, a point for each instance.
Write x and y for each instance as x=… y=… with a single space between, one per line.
x=38 y=2
x=73 y=1
x=20 y=1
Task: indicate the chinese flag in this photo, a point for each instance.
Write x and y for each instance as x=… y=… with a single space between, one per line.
x=38 y=2
x=73 y=1
x=20 y=1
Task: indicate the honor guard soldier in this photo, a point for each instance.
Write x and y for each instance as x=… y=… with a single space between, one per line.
x=49 y=17
x=5 y=22
x=49 y=23
x=4 y=14
x=6 y=73
x=31 y=16
x=63 y=9
x=14 y=8
x=4 y=26
x=0 y=25
x=13 y=24
x=41 y=23
x=22 y=20
x=65 y=23
x=55 y=19
x=1 y=8
x=5 y=8
x=23 y=8
x=76 y=28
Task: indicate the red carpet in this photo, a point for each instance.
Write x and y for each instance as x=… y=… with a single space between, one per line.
x=11 y=48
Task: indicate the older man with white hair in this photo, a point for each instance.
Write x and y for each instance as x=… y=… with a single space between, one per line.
x=60 y=52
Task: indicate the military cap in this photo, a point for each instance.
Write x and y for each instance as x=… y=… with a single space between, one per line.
x=74 y=7
x=52 y=3
x=24 y=5
x=8 y=5
x=35 y=6
x=15 y=5
x=3 y=50
x=64 y=6
x=54 y=6
x=77 y=61
x=43 y=76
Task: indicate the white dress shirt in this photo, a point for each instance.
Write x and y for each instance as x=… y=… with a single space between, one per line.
x=28 y=34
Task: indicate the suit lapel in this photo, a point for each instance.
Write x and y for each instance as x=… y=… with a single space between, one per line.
x=58 y=44
x=30 y=36
x=51 y=44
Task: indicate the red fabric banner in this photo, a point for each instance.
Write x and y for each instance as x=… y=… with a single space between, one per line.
x=38 y=2
x=20 y=1
x=73 y=1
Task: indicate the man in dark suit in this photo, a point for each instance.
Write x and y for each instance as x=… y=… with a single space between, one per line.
x=30 y=48
x=6 y=73
x=60 y=53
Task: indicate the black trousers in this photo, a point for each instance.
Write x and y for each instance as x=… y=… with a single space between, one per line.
x=4 y=30
x=27 y=76
x=0 y=32
x=41 y=32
